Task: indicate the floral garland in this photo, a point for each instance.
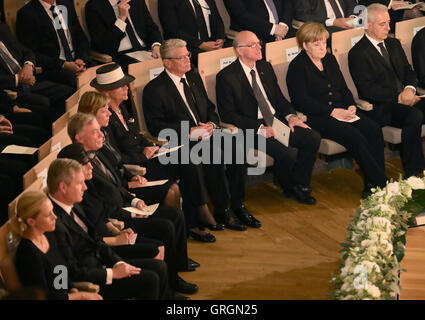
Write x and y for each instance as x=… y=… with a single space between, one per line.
x=371 y=256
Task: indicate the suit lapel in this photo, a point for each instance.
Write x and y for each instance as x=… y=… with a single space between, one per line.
x=240 y=74
x=375 y=55
x=45 y=16
x=108 y=166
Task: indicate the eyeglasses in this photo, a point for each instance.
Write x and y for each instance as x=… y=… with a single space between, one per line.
x=189 y=55
x=252 y=45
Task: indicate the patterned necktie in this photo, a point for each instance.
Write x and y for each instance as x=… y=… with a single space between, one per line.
x=262 y=103
x=200 y=20
x=14 y=68
x=273 y=9
x=190 y=100
x=387 y=59
x=335 y=8
x=62 y=37
x=102 y=167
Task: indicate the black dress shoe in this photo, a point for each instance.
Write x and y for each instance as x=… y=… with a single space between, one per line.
x=208 y=237
x=214 y=227
x=177 y=296
x=298 y=194
x=186 y=287
x=230 y=221
x=246 y=217
x=192 y=263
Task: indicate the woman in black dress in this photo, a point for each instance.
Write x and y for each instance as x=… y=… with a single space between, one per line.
x=318 y=89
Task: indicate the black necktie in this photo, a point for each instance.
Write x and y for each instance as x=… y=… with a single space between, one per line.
x=262 y=103
x=190 y=100
x=335 y=8
x=62 y=37
x=132 y=35
x=387 y=59
x=200 y=20
x=14 y=68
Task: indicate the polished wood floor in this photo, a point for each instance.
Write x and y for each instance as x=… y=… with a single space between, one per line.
x=295 y=252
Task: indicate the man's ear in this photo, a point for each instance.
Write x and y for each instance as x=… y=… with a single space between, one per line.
x=63 y=187
x=78 y=138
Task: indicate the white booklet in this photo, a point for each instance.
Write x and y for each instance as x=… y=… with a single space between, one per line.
x=163 y=151
x=140 y=55
x=14 y=149
x=133 y=238
x=148 y=211
x=408 y=5
x=282 y=131
x=351 y=120
x=154 y=183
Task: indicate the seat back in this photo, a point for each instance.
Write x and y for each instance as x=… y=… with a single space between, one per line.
x=85 y=77
x=57 y=142
x=153 y=10
x=144 y=72
x=342 y=42
x=11 y=8
x=75 y=97
x=210 y=63
x=37 y=185
x=62 y=122
x=223 y=14
x=80 y=9
x=39 y=170
x=405 y=31
x=280 y=54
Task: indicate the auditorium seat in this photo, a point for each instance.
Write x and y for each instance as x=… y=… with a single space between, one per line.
x=39 y=170
x=55 y=143
x=153 y=10
x=405 y=31
x=231 y=34
x=62 y=122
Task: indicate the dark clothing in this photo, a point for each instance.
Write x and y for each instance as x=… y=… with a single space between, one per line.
x=316 y=93
x=315 y=10
x=418 y=56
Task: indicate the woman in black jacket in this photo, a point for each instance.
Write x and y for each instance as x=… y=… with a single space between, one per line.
x=318 y=89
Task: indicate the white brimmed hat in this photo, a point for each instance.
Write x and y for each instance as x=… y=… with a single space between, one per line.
x=110 y=77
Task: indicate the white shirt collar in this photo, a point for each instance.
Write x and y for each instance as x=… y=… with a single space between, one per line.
x=46 y=5
x=247 y=69
x=373 y=41
x=176 y=79
x=64 y=206
x=113 y=2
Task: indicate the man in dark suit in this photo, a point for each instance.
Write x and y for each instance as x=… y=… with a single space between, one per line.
x=51 y=29
x=269 y=19
x=17 y=73
x=384 y=77
x=418 y=56
x=249 y=97
x=177 y=98
x=336 y=15
x=197 y=22
x=87 y=256
x=119 y=27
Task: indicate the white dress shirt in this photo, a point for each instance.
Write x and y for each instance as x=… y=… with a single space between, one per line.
x=64 y=26
x=272 y=20
x=67 y=209
x=375 y=44
x=7 y=52
x=206 y=11
x=331 y=14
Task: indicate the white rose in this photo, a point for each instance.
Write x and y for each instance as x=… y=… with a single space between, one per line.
x=393 y=188
x=373 y=290
x=370 y=266
x=416 y=183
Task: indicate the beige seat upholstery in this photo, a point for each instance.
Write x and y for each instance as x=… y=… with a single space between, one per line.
x=405 y=31
x=231 y=34
x=39 y=170
x=62 y=122
x=57 y=142
x=153 y=10
x=11 y=8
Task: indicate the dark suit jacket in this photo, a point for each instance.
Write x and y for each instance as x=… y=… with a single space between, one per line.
x=236 y=101
x=19 y=52
x=106 y=37
x=179 y=21
x=86 y=253
x=36 y=31
x=315 y=10
x=373 y=77
x=314 y=92
x=418 y=56
x=164 y=107
x=253 y=15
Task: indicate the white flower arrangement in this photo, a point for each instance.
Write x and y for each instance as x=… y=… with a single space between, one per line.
x=371 y=256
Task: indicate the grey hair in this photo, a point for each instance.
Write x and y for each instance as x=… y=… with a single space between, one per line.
x=168 y=45
x=373 y=9
x=77 y=123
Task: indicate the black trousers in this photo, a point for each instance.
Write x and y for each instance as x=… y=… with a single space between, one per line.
x=166 y=225
x=410 y=121
x=144 y=248
x=290 y=169
x=150 y=284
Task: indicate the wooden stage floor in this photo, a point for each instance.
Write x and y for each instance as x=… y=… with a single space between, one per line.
x=295 y=252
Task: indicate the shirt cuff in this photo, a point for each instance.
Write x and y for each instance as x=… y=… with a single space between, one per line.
x=134 y=202
x=30 y=63
x=411 y=87
x=120 y=25
x=272 y=30
x=16 y=80
x=109 y=273
x=155 y=44
x=214 y=125
x=329 y=22
x=289 y=115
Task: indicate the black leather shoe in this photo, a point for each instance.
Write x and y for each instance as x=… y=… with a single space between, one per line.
x=208 y=237
x=297 y=193
x=306 y=189
x=192 y=263
x=214 y=227
x=230 y=220
x=246 y=217
x=186 y=287
x=177 y=296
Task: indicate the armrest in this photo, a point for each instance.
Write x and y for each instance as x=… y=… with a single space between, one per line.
x=101 y=57
x=301 y=116
x=231 y=34
x=135 y=169
x=420 y=91
x=230 y=128
x=153 y=139
x=363 y=104
x=12 y=94
x=117 y=224
x=296 y=24
x=86 y=286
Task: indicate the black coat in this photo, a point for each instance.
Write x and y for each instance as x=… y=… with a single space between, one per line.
x=36 y=31
x=164 y=107
x=179 y=21
x=236 y=101
x=315 y=10
x=106 y=37
x=418 y=56
x=373 y=77
x=253 y=15
x=314 y=92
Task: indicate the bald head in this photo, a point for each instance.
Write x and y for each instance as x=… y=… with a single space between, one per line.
x=248 y=47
